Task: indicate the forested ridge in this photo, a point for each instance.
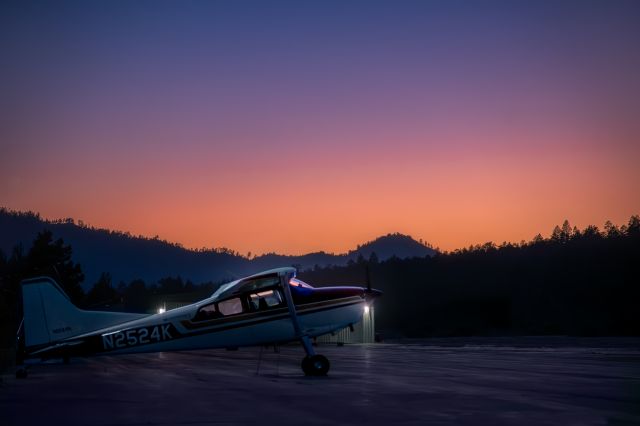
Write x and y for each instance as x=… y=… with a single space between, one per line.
x=574 y=282
x=127 y=257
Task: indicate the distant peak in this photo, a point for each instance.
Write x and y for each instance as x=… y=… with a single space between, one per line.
x=394 y=244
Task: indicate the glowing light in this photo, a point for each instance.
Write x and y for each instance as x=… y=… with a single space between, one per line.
x=161 y=310
x=366 y=309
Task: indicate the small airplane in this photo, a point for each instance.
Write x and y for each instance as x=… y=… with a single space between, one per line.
x=272 y=307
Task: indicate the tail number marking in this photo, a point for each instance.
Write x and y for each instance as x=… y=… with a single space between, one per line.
x=136 y=336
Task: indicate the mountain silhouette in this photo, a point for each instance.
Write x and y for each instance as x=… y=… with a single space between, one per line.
x=398 y=245
x=129 y=257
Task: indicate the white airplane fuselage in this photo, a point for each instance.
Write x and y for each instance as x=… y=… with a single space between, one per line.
x=268 y=308
x=276 y=328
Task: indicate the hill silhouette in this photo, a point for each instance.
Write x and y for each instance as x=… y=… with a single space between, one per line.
x=575 y=282
x=127 y=257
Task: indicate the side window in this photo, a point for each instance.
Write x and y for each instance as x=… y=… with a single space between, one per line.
x=207 y=312
x=230 y=307
x=265 y=300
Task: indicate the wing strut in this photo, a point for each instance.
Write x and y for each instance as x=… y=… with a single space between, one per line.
x=313 y=364
x=306 y=342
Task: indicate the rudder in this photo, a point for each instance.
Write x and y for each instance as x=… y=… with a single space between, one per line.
x=49 y=315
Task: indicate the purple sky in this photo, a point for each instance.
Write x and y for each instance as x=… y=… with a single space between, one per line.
x=298 y=126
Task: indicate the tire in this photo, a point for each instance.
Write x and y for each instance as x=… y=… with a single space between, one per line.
x=316 y=365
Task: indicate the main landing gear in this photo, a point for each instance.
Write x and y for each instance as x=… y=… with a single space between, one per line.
x=313 y=364
x=316 y=365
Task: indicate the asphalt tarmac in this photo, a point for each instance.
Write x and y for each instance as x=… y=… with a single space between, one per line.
x=449 y=382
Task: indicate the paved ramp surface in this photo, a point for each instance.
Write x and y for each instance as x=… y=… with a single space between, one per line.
x=413 y=383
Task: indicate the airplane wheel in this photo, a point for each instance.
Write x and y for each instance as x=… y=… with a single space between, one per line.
x=21 y=373
x=316 y=365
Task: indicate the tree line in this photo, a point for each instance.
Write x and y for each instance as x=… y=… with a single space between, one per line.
x=34 y=216
x=575 y=282
x=51 y=257
x=578 y=282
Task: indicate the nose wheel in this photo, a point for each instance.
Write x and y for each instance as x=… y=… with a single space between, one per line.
x=315 y=365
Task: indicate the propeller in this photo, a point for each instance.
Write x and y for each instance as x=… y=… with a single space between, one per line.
x=368 y=278
x=369 y=292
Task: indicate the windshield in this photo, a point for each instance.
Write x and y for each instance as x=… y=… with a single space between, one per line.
x=299 y=283
x=246 y=285
x=223 y=288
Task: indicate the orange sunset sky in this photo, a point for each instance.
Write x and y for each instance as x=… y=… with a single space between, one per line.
x=318 y=126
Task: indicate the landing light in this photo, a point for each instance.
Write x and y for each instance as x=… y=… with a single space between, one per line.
x=161 y=310
x=366 y=309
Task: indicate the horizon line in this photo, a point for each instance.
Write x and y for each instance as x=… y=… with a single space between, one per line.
x=82 y=224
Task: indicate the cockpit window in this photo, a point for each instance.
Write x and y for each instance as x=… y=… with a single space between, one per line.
x=207 y=312
x=264 y=282
x=265 y=300
x=230 y=306
x=299 y=283
x=220 y=309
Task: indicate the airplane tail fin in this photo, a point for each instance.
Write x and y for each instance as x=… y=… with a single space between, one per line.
x=49 y=315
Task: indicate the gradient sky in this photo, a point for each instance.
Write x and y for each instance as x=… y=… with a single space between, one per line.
x=303 y=126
